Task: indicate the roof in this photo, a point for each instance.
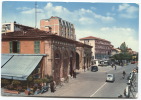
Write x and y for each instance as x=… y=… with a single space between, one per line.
x=37 y=34
x=93 y=38
x=117 y=49
x=20 y=66
x=23 y=26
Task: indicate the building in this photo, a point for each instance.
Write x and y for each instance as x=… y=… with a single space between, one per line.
x=115 y=51
x=11 y=27
x=58 y=26
x=56 y=55
x=101 y=47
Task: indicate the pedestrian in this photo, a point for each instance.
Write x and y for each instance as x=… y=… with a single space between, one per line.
x=52 y=86
x=74 y=74
x=124 y=74
x=115 y=67
x=84 y=69
x=112 y=65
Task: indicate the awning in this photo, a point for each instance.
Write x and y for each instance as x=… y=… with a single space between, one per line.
x=20 y=67
x=5 y=58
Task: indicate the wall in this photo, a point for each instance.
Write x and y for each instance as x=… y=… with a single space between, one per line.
x=26 y=47
x=5 y=47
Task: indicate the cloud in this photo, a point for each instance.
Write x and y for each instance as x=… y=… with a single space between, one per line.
x=118 y=35
x=110 y=14
x=128 y=11
x=104 y=18
x=123 y=7
x=23 y=8
x=84 y=16
x=93 y=8
x=84 y=20
x=31 y=11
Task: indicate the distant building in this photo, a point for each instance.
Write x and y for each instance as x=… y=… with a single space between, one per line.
x=101 y=47
x=115 y=51
x=130 y=51
x=58 y=26
x=11 y=27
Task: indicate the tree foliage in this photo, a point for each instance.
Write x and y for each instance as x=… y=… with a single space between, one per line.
x=122 y=56
x=123 y=47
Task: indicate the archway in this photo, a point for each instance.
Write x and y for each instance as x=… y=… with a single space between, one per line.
x=57 y=66
x=77 y=61
x=71 y=63
x=65 y=64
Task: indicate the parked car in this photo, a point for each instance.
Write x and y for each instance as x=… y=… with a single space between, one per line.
x=94 y=68
x=110 y=78
x=133 y=62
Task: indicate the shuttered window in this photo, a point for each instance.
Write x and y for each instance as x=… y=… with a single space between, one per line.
x=18 y=47
x=10 y=44
x=36 y=46
x=14 y=47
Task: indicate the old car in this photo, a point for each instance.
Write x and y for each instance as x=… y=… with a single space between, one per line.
x=110 y=78
x=94 y=68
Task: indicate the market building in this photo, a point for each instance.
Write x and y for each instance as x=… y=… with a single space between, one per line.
x=56 y=55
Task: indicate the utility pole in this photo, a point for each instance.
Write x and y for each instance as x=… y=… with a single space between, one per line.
x=35 y=14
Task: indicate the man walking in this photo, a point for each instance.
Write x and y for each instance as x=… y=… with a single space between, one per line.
x=124 y=74
x=115 y=67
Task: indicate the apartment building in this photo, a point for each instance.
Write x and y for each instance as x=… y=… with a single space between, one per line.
x=58 y=26
x=101 y=47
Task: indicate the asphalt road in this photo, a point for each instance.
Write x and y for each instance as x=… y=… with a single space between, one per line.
x=92 y=84
x=117 y=88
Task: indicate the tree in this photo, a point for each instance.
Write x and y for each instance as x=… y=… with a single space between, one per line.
x=123 y=47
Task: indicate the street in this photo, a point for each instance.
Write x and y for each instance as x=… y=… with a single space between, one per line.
x=92 y=84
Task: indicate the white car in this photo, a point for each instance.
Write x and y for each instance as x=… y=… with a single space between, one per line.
x=110 y=78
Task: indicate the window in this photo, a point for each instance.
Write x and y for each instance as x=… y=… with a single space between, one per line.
x=14 y=46
x=8 y=26
x=36 y=46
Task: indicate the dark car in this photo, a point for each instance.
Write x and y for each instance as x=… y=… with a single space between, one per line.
x=133 y=62
x=94 y=68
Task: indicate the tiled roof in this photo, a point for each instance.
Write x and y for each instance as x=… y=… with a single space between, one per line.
x=93 y=38
x=38 y=34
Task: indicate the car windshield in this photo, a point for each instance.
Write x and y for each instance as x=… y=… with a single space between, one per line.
x=109 y=75
x=94 y=67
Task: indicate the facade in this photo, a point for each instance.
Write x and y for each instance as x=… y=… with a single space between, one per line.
x=63 y=55
x=130 y=51
x=115 y=51
x=58 y=26
x=11 y=27
x=101 y=47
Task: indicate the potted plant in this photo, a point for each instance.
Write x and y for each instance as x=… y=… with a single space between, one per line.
x=5 y=82
x=16 y=83
x=44 y=81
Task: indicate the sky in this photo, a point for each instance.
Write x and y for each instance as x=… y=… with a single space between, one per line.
x=116 y=22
